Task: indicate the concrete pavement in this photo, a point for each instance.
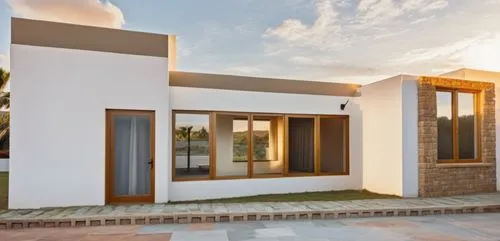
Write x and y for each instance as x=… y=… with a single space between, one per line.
x=465 y=227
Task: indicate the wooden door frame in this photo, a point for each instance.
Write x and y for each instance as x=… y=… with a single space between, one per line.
x=110 y=113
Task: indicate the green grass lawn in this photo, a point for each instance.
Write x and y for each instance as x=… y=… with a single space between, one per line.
x=4 y=189
x=300 y=197
x=290 y=197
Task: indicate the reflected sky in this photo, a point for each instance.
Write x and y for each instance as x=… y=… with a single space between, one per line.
x=195 y=120
x=465 y=104
x=202 y=120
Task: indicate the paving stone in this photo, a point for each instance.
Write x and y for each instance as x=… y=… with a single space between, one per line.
x=216 y=212
x=213 y=235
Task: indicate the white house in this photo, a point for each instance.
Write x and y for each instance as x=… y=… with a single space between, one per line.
x=101 y=116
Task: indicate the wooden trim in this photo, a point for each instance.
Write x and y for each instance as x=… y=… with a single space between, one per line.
x=285 y=147
x=347 y=146
x=250 y=146
x=478 y=94
x=454 y=120
x=302 y=174
x=317 y=146
x=188 y=179
x=107 y=182
x=463 y=90
x=71 y=36
x=174 y=142
x=213 y=146
x=273 y=132
x=110 y=198
x=174 y=145
x=244 y=161
x=270 y=175
x=152 y=147
x=231 y=177
x=247 y=115
x=478 y=103
x=240 y=83
x=460 y=161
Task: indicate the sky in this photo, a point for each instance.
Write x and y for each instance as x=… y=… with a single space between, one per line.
x=351 y=41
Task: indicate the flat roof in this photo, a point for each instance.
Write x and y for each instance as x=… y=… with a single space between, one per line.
x=72 y=36
x=245 y=83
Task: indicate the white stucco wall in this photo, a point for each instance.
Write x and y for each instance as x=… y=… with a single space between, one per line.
x=183 y=98
x=58 y=103
x=4 y=165
x=389 y=116
x=410 y=136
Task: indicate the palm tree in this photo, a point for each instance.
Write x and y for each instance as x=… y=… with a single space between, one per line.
x=185 y=133
x=4 y=104
x=4 y=96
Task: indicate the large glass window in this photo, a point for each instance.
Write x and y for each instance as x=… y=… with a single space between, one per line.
x=457 y=126
x=232 y=145
x=466 y=126
x=268 y=134
x=192 y=145
x=301 y=151
x=333 y=143
x=444 y=125
x=222 y=145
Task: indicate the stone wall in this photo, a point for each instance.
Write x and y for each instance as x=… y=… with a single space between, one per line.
x=440 y=179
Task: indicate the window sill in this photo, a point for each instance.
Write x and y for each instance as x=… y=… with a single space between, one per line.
x=470 y=164
x=255 y=161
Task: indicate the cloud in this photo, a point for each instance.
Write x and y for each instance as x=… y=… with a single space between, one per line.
x=330 y=66
x=325 y=33
x=246 y=70
x=450 y=51
x=376 y=12
x=87 y=12
x=421 y=20
x=339 y=25
x=435 y=5
x=373 y=12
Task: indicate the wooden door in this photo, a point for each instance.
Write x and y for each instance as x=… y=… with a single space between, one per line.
x=130 y=161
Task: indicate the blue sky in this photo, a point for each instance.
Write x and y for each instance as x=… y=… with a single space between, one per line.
x=357 y=41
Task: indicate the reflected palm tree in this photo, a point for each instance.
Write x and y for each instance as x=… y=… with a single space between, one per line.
x=4 y=105
x=185 y=133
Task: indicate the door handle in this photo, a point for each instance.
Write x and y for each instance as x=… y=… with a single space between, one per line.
x=151 y=163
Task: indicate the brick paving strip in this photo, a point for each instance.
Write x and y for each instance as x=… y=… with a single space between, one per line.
x=235 y=212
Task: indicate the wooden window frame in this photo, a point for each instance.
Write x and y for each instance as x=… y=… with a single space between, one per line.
x=211 y=133
x=250 y=174
x=257 y=117
x=244 y=116
x=109 y=156
x=454 y=110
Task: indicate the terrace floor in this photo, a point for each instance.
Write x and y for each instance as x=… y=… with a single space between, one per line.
x=236 y=212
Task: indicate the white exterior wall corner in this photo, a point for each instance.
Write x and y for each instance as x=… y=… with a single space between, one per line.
x=59 y=98
x=184 y=98
x=410 y=135
x=4 y=165
x=388 y=113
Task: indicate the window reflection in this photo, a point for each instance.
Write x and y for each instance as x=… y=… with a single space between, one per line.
x=466 y=126
x=444 y=125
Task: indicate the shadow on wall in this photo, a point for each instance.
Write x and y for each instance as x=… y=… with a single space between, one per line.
x=353 y=108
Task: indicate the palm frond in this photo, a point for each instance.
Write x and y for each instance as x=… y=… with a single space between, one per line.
x=4 y=78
